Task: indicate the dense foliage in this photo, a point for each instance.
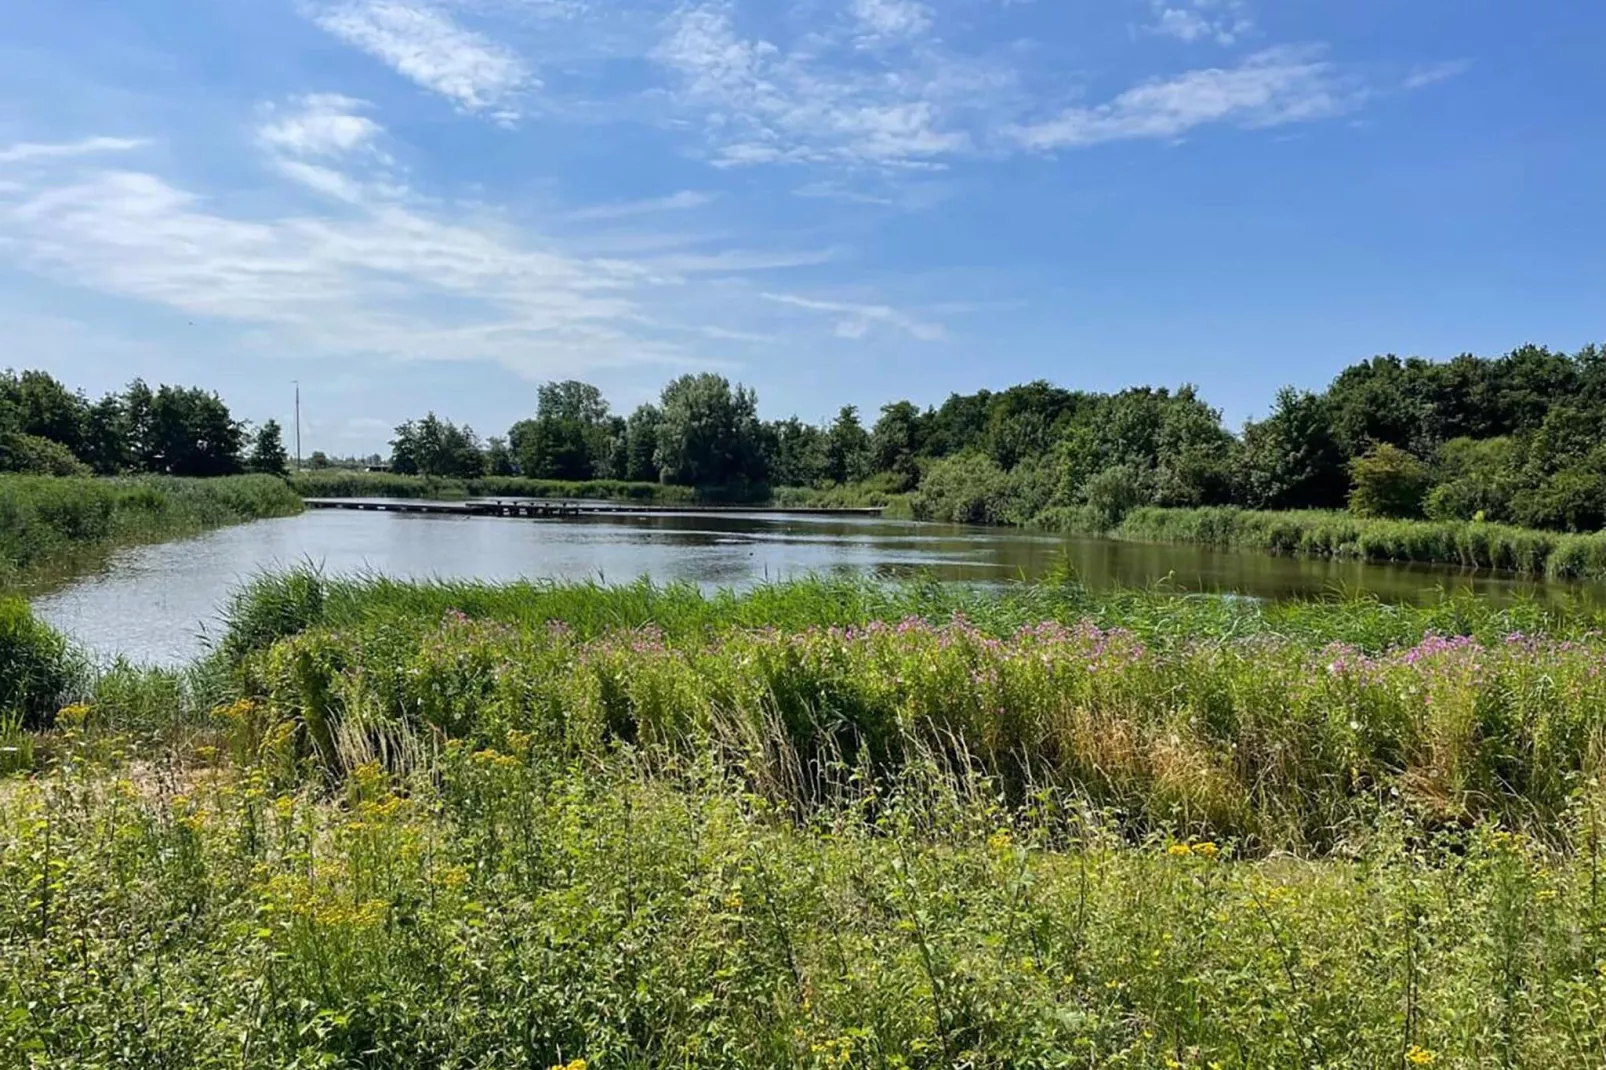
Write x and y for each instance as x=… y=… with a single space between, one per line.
x=46 y=429
x=1508 y=440
x=1511 y=440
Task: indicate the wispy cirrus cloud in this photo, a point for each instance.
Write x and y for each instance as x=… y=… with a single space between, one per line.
x=388 y=274
x=855 y=320
x=1270 y=88
x=30 y=151
x=674 y=202
x=1434 y=73
x=426 y=45
x=824 y=100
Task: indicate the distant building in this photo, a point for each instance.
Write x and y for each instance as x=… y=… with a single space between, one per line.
x=378 y=468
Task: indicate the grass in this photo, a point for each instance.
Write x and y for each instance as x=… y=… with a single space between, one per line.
x=818 y=824
x=504 y=910
x=1469 y=544
x=50 y=524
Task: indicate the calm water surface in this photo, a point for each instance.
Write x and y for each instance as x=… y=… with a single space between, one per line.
x=158 y=603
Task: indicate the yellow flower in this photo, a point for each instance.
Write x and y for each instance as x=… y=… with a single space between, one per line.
x=577 y=1064
x=1000 y=841
x=1206 y=849
x=1178 y=850
x=1417 y=1056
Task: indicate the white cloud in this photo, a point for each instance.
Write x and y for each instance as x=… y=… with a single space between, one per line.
x=1433 y=73
x=1223 y=21
x=880 y=19
x=322 y=124
x=817 y=103
x=29 y=151
x=425 y=45
x=1270 y=88
x=675 y=202
x=855 y=320
x=389 y=274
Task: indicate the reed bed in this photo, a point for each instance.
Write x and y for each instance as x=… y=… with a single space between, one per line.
x=1466 y=544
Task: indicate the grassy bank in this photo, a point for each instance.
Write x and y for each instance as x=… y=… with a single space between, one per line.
x=1468 y=544
x=50 y=524
x=819 y=824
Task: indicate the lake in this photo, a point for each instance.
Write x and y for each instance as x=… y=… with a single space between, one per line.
x=157 y=604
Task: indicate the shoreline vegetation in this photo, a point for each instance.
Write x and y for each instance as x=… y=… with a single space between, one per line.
x=49 y=524
x=817 y=824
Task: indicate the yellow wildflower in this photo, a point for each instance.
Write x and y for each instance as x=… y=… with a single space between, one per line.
x=1418 y=1056
x=1206 y=849
x=1178 y=850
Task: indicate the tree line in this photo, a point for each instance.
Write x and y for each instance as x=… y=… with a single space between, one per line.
x=47 y=429
x=1512 y=438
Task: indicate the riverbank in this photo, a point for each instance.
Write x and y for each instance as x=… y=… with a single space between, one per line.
x=51 y=525
x=1314 y=533
x=343 y=484
x=821 y=824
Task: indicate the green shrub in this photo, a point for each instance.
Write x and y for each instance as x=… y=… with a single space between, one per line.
x=36 y=669
x=1388 y=482
x=32 y=455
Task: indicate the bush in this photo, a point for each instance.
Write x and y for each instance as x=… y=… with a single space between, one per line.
x=1388 y=482
x=32 y=455
x=1573 y=500
x=36 y=670
x=968 y=489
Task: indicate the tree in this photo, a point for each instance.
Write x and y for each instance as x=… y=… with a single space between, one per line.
x=709 y=435
x=796 y=453
x=498 y=458
x=44 y=408
x=569 y=437
x=190 y=433
x=319 y=461
x=641 y=445
x=108 y=448
x=267 y=451
x=847 y=448
x=436 y=447
x=1388 y=482
x=1291 y=459
x=896 y=443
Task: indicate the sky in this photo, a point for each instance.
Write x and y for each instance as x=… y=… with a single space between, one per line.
x=411 y=205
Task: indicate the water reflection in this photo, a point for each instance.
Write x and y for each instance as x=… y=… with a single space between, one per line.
x=155 y=603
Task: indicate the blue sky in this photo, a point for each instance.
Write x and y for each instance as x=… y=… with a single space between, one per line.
x=415 y=204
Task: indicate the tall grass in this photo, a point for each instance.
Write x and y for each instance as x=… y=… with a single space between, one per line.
x=1468 y=544
x=47 y=522
x=503 y=910
x=277 y=605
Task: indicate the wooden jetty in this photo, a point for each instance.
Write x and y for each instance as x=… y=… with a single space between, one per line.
x=557 y=509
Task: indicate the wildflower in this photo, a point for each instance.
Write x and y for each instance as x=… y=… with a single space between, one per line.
x=1418 y=1056
x=1178 y=850
x=1000 y=841
x=1206 y=849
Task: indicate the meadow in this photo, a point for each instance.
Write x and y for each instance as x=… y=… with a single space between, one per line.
x=817 y=824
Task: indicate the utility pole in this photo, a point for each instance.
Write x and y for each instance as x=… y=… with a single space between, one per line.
x=298 y=423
